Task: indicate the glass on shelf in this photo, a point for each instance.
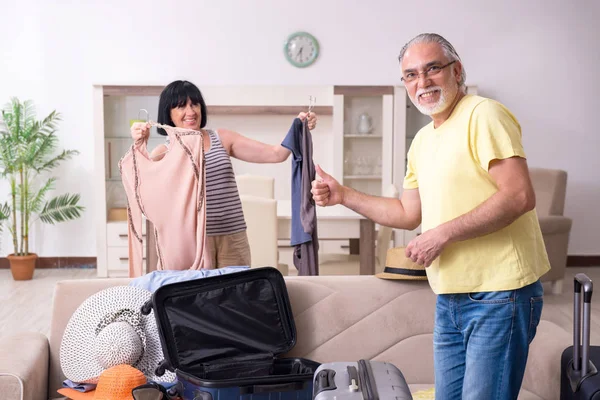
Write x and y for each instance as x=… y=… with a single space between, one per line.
x=360 y=165
x=363 y=166
x=377 y=167
x=349 y=165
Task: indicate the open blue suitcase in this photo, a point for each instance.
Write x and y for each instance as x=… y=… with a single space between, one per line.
x=223 y=335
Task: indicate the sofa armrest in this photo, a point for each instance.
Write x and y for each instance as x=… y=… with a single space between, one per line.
x=555 y=224
x=24 y=367
x=542 y=374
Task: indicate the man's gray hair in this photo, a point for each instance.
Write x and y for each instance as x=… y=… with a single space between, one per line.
x=449 y=51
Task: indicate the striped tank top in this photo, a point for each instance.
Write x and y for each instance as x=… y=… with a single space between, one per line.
x=224 y=213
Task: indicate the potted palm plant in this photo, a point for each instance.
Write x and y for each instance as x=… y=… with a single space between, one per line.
x=27 y=155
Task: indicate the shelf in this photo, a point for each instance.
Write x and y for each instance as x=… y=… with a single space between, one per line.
x=219 y=109
x=132 y=90
x=363 y=90
x=266 y=110
x=363 y=136
x=363 y=177
x=156 y=90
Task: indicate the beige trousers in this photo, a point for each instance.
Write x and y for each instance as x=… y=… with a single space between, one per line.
x=229 y=250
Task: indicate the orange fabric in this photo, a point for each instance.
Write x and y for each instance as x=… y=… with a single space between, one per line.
x=75 y=395
x=170 y=192
x=115 y=383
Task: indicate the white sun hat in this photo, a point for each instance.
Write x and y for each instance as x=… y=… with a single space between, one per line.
x=109 y=329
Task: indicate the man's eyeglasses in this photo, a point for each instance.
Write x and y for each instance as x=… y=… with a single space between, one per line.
x=433 y=70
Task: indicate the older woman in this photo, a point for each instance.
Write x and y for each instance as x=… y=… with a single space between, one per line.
x=181 y=105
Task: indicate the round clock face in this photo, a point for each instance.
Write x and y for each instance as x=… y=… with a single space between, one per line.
x=301 y=49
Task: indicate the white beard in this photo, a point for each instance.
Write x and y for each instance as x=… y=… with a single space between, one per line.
x=447 y=95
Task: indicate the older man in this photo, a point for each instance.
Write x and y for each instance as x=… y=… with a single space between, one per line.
x=467 y=183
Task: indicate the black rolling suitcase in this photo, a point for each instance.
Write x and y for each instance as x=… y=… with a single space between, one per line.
x=222 y=336
x=579 y=374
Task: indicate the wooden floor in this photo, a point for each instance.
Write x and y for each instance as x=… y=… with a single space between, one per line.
x=26 y=305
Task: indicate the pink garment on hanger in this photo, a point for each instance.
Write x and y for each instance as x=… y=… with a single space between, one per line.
x=169 y=192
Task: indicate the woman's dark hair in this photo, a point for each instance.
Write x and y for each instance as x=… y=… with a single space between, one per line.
x=176 y=94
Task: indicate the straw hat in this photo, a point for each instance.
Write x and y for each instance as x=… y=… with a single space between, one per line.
x=108 y=329
x=398 y=266
x=115 y=383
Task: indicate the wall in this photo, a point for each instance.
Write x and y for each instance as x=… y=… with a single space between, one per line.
x=537 y=57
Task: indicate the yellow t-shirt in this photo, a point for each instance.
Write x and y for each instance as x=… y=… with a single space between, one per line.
x=449 y=166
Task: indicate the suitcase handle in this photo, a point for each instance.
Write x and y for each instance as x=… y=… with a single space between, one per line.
x=368 y=386
x=324 y=380
x=582 y=362
x=147 y=307
x=275 y=387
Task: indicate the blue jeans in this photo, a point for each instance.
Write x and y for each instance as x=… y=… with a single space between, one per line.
x=481 y=342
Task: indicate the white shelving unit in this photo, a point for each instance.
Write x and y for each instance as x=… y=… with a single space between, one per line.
x=363 y=160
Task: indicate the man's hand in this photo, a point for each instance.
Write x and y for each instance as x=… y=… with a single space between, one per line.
x=326 y=190
x=428 y=246
x=312 y=119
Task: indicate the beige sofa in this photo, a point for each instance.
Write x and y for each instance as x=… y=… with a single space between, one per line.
x=337 y=318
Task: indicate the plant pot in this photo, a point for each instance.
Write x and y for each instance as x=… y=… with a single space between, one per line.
x=22 y=267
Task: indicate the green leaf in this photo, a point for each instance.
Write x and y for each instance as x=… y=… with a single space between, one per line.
x=4 y=212
x=36 y=200
x=62 y=208
x=53 y=163
x=4 y=216
x=41 y=149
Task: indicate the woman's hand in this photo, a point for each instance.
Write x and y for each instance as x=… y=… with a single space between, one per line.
x=312 y=119
x=140 y=130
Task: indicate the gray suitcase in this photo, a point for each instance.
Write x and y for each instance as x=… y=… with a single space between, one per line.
x=362 y=380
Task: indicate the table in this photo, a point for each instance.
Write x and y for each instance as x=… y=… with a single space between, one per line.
x=335 y=223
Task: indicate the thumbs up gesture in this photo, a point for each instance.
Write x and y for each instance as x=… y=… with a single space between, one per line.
x=326 y=190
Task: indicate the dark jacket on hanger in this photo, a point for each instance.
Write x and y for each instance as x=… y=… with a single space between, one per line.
x=304 y=214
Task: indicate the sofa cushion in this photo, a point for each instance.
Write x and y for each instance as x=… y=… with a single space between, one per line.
x=352 y=317
x=24 y=358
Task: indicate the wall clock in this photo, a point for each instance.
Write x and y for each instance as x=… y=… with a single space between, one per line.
x=301 y=49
